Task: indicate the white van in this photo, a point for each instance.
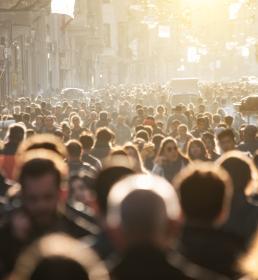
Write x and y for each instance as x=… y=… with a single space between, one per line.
x=184 y=90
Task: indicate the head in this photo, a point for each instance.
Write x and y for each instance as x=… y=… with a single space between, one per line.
x=226 y=140
x=59 y=256
x=229 y=121
x=75 y=121
x=16 y=133
x=133 y=153
x=240 y=168
x=49 y=121
x=196 y=150
x=104 y=135
x=169 y=149
x=87 y=141
x=142 y=212
x=182 y=130
x=40 y=179
x=105 y=181
x=201 y=123
x=205 y=193
x=74 y=149
x=209 y=141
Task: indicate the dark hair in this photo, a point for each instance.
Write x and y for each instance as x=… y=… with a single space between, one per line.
x=226 y=133
x=202 y=194
x=104 y=134
x=87 y=141
x=104 y=182
x=200 y=144
x=37 y=168
x=16 y=133
x=210 y=136
x=164 y=142
x=239 y=170
x=156 y=140
x=74 y=148
x=143 y=134
x=59 y=267
x=228 y=120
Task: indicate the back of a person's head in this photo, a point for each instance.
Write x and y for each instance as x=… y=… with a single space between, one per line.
x=16 y=133
x=142 y=206
x=104 y=182
x=226 y=133
x=59 y=257
x=87 y=141
x=143 y=134
x=74 y=148
x=103 y=116
x=53 y=268
x=240 y=169
x=205 y=193
x=43 y=141
x=104 y=135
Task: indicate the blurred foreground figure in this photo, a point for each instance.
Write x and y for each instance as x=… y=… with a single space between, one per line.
x=243 y=219
x=143 y=216
x=41 y=178
x=205 y=193
x=59 y=257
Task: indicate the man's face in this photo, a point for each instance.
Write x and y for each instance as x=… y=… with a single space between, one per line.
x=40 y=199
x=227 y=144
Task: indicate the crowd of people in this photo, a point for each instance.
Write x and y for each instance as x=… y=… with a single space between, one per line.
x=124 y=184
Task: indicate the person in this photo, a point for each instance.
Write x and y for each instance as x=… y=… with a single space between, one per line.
x=58 y=256
x=142 y=215
x=103 y=144
x=87 y=141
x=76 y=127
x=102 y=186
x=15 y=136
x=226 y=140
x=243 y=219
x=205 y=193
x=41 y=179
x=201 y=127
x=169 y=160
x=134 y=154
x=183 y=137
x=49 y=125
x=74 y=158
x=209 y=142
x=250 y=143
x=196 y=150
x=178 y=115
x=122 y=131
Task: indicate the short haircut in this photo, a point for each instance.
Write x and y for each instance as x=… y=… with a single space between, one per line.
x=87 y=141
x=16 y=133
x=140 y=207
x=226 y=133
x=143 y=134
x=104 y=134
x=104 y=182
x=240 y=169
x=205 y=192
x=58 y=256
x=74 y=148
x=37 y=168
